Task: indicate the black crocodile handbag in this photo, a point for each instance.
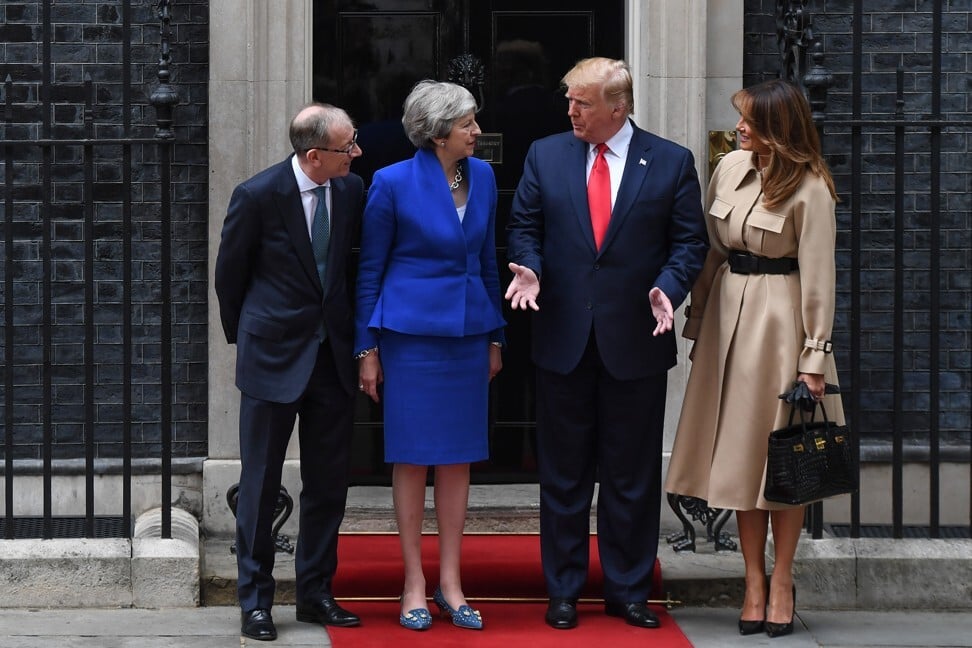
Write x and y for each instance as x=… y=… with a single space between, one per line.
x=810 y=460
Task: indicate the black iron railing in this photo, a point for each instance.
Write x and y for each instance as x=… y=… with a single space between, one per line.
x=798 y=45
x=41 y=144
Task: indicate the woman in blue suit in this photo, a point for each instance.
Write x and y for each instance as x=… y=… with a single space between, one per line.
x=429 y=326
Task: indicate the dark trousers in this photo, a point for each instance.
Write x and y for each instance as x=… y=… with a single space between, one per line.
x=592 y=426
x=325 y=412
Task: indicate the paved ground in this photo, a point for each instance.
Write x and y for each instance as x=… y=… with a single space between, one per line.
x=698 y=578
x=213 y=627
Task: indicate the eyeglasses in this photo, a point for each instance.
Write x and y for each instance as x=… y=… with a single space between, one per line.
x=346 y=150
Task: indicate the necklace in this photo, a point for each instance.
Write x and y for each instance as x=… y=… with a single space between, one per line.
x=455 y=184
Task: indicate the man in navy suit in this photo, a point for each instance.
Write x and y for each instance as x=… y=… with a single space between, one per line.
x=602 y=338
x=284 y=298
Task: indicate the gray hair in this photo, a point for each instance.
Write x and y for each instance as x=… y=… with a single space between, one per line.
x=431 y=108
x=312 y=125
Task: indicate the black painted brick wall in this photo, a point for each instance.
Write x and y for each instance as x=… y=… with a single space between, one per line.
x=87 y=39
x=896 y=32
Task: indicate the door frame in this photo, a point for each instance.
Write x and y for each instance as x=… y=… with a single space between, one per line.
x=260 y=74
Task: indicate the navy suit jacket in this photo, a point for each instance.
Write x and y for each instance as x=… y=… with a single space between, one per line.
x=271 y=301
x=422 y=271
x=656 y=237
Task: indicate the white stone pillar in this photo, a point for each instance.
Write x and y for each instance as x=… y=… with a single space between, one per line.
x=686 y=60
x=667 y=52
x=724 y=62
x=259 y=76
x=666 y=49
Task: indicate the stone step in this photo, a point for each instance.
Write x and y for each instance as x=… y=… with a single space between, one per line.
x=704 y=577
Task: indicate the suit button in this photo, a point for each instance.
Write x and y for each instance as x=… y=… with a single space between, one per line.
x=597 y=266
x=590 y=306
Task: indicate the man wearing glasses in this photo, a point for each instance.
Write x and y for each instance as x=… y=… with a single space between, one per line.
x=285 y=301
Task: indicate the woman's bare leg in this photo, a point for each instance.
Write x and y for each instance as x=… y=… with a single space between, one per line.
x=451 y=502
x=408 y=495
x=753 y=527
x=787 y=527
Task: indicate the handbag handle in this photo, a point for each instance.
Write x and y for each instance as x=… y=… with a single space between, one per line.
x=800 y=394
x=799 y=397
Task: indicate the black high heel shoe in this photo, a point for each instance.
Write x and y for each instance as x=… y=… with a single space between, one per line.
x=750 y=627
x=782 y=629
x=754 y=627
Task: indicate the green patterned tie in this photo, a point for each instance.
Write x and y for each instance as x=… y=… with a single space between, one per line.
x=321 y=232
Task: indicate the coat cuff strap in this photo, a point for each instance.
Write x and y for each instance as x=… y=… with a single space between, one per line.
x=819 y=345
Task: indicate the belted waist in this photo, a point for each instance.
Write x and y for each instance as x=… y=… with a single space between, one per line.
x=746 y=263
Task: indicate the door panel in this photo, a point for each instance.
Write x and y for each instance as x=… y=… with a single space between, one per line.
x=367 y=56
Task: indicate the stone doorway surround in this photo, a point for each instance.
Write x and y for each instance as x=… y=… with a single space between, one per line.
x=685 y=56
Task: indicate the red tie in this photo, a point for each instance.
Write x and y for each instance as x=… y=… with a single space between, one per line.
x=599 y=195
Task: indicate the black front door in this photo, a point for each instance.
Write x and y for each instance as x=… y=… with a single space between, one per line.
x=368 y=55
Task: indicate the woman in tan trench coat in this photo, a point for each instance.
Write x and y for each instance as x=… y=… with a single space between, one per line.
x=761 y=316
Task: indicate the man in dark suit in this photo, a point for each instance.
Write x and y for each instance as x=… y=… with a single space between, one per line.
x=284 y=298
x=608 y=219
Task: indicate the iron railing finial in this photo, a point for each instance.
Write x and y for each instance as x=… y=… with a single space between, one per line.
x=817 y=82
x=164 y=97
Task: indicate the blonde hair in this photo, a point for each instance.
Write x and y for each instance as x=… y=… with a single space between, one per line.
x=779 y=115
x=612 y=75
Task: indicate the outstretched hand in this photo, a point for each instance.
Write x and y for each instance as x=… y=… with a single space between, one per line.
x=524 y=289
x=661 y=308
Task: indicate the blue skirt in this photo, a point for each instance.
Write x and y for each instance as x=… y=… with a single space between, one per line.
x=436 y=394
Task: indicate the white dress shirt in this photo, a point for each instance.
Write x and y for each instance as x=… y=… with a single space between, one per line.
x=615 y=157
x=307 y=196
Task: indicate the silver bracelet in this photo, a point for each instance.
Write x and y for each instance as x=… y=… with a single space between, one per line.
x=365 y=353
x=497 y=344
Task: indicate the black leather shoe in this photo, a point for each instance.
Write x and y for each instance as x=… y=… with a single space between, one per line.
x=326 y=611
x=636 y=614
x=561 y=613
x=258 y=624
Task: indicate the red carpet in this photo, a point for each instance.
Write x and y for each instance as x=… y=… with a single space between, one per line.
x=501 y=576
x=506 y=625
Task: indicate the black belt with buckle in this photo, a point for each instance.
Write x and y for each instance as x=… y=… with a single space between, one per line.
x=746 y=263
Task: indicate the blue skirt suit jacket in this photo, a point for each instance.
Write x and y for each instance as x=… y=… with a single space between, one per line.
x=428 y=296
x=422 y=271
